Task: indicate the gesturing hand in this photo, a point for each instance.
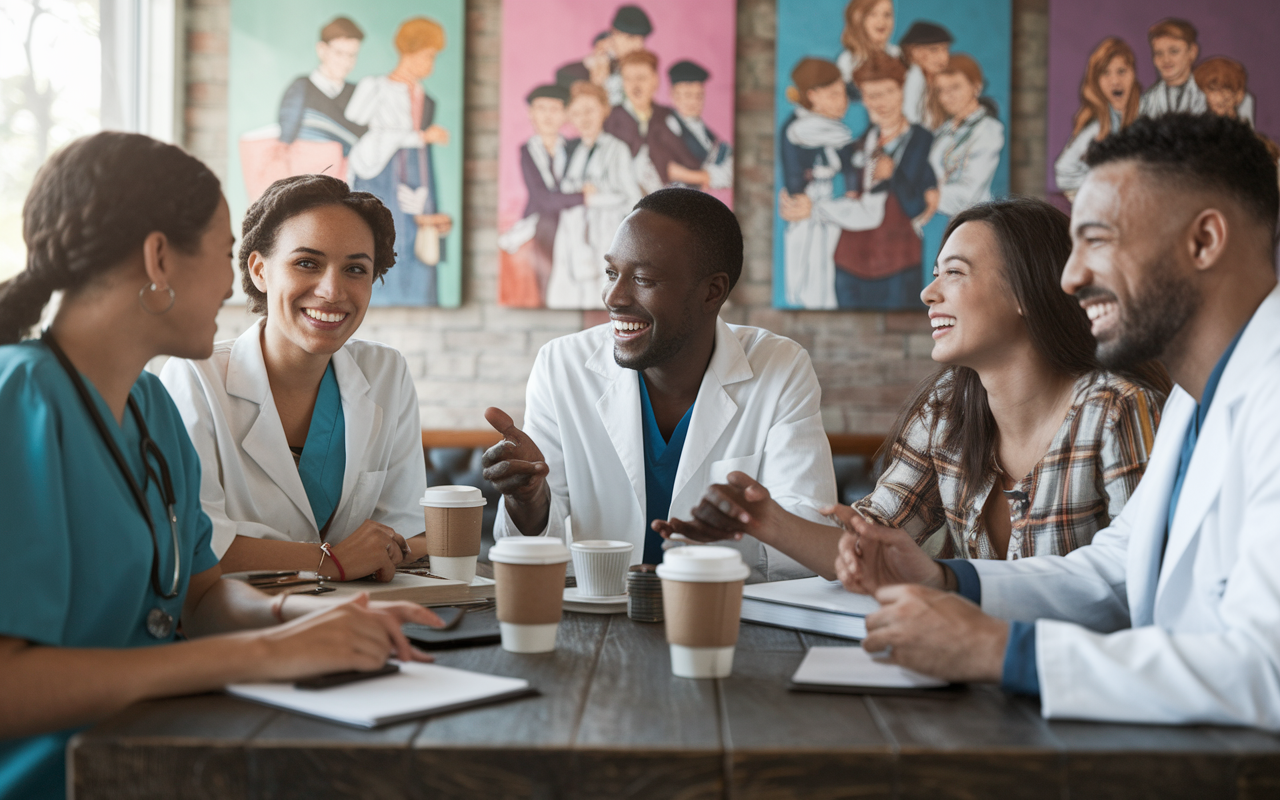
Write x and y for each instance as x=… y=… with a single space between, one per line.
x=515 y=467
x=872 y=556
x=937 y=633
x=726 y=511
x=372 y=549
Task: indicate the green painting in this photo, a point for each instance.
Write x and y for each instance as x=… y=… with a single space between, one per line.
x=368 y=92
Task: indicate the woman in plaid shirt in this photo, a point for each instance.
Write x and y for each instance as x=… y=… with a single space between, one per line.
x=1019 y=445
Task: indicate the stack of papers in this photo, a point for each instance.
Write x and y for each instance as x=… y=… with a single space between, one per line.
x=415 y=691
x=816 y=605
x=838 y=669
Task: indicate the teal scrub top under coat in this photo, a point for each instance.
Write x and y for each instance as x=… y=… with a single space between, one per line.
x=77 y=552
x=324 y=454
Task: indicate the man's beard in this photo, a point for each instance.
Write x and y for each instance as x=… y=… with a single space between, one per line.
x=1153 y=319
x=658 y=352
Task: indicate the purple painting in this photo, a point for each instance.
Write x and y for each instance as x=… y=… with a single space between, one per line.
x=1110 y=63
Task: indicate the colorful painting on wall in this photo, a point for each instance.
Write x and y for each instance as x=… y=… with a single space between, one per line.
x=601 y=104
x=368 y=92
x=892 y=118
x=1110 y=63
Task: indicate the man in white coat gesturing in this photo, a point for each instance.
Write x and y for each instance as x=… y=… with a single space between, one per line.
x=629 y=422
x=1172 y=614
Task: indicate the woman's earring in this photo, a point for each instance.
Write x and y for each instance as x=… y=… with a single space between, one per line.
x=152 y=288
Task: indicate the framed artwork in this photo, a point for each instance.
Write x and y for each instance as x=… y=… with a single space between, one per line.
x=602 y=103
x=368 y=92
x=1110 y=63
x=892 y=117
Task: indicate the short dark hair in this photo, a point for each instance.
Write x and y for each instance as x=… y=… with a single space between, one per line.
x=1203 y=152
x=289 y=197
x=713 y=227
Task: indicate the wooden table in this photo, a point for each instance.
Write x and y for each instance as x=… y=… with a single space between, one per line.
x=612 y=722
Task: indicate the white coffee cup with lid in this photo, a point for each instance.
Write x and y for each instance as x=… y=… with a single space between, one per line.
x=702 y=604
x=453 y=516
x=529 y=573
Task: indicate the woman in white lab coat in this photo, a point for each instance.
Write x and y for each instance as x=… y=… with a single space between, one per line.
x=601 y=169
x=310 y=443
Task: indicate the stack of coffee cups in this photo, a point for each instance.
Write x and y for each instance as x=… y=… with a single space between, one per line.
x=702 y=598
x=644 y=594
x=453 y=516
x=529 y=576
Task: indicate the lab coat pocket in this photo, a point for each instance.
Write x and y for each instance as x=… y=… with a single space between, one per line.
x=749 y=464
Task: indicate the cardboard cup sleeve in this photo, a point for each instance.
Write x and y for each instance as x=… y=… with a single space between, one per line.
x=453 y=532
x=702 y=614
x=529 y=594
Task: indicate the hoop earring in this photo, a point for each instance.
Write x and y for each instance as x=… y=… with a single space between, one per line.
x=152 y=287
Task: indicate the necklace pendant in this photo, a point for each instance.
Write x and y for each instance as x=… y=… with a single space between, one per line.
x=159 y=624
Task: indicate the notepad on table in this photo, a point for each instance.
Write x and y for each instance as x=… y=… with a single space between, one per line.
x=816 y=605
x=851 y=669
x=415 y=691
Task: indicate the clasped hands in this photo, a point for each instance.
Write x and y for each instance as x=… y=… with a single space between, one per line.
x=920 y=625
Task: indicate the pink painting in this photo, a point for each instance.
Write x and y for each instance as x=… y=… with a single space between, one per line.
x=602 y=103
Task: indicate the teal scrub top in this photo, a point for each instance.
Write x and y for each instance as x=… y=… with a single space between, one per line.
x=76 y=551
x=324 y=454
x=661 y=462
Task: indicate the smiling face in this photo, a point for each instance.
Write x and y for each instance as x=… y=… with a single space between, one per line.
x=1125 y=268
x=878 y=24
x=956 y=94
x=639 y=84
x=931 y=58
x=547 y=115
x=1224 y=102
x=830 y=101
x=1116 y=82
x=1173 y=59
x=318 y=278
x=883 y=100
x=338 y=57
x=974 y=315
x=586 y=114
x=201 y=282
x=655 y=291
x=688 y=98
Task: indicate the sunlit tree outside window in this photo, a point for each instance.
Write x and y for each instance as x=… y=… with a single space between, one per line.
x=50 y=93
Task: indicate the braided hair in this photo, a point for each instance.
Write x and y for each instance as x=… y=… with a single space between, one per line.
x=92 y=204
x=289 y=197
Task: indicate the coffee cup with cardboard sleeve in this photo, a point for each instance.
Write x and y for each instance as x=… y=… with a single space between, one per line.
x=529 y=575
x=453 y=516
x=702 y=606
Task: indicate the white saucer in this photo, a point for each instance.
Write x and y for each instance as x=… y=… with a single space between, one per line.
x=573 y=601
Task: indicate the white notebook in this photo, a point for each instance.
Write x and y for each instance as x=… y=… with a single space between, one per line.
x=415 y=691
x=817 y=593
x=853 y=667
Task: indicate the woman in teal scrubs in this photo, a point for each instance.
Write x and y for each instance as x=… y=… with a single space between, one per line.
x=104 y=545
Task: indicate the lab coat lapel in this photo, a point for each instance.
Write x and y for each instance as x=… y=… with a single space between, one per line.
x=264 y=442
x=362 y=416
x=1146 y=541
x=619 y=410
x=714 y=409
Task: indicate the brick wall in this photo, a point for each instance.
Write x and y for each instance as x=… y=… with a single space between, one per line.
x=479 y=355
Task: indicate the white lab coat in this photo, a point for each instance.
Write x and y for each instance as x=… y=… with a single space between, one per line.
x=386 y=107
x=1159 y=100
x=757 y=411
x=965 y=158
x=249 y=483
x=1122 y=636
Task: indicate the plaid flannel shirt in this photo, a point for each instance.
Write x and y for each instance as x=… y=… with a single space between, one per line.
x=1091 y=468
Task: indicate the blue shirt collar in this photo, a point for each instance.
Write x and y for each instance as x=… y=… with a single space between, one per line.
x=1211 y=385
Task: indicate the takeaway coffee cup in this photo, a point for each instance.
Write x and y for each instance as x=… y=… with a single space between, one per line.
x=601 y=567
x=453 y=515
x=702 y=603
x=529 y=572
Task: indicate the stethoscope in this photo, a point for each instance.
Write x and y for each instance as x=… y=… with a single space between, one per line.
x=159 y=622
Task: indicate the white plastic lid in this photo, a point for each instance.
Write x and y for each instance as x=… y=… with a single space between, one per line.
x=529 y=550
x=703 y=564
x=452 y=497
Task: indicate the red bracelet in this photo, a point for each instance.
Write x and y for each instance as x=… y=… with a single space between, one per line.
x=277 y=606
x=328 y=550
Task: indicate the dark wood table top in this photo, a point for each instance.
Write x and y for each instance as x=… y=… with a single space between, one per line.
x=610 y=721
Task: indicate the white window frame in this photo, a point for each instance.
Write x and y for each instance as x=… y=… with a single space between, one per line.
x=142 y=52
